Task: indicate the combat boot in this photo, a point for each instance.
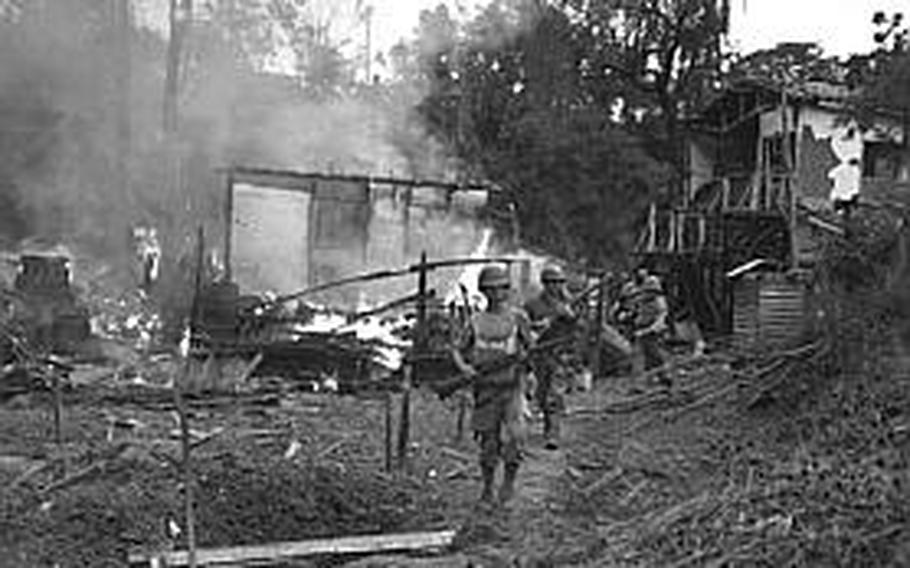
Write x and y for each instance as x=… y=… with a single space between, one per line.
x=507 y=491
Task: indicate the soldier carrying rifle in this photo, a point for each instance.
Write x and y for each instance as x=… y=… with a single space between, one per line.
x=500 y=333
x=552 y=315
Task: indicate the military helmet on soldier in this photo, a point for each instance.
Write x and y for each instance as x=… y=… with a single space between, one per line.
x=628 y=289
x=652 y=284
x=552 y=273
x=493 y=276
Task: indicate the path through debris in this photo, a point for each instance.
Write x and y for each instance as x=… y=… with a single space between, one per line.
x=730 y=467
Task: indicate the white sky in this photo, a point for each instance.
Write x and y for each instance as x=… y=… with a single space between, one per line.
x=840 y=26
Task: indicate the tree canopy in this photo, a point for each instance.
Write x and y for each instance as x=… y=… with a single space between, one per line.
x=572 y=106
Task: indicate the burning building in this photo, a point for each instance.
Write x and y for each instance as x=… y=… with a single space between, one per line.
x=287 y=231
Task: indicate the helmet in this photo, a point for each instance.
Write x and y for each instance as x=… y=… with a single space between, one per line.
x=652 y=284
x=493 y=276
x=552 y=273
x=628 y=289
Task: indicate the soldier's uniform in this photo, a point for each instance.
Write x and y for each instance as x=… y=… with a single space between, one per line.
x=498 y=419
x=651 y=323
x=552 y=317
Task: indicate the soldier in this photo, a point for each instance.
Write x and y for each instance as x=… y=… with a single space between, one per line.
x=498 y=419
x=551 y=317
x=651 y=323
x=623 y=311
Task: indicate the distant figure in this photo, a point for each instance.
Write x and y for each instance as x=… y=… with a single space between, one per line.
x=622 y=313
x=552 y=317
x=651 y=324
x=148 y=253
x=498 y=418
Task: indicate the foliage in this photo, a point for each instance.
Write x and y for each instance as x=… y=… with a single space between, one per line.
x=515 y=94
x=864 y=257
x=665 y=56
x=789 y=64
x=884 y=74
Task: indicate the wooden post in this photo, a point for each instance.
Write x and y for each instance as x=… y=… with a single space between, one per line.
x=671 y=237
x=404 y=420
x=58 y=420
x=388 y=431
x=462 y=415
x=793 y=158
x=404 y=425
x=228 y=225
x=183 y=414
x=599 y=318
x=702 y=231
x=652 y=228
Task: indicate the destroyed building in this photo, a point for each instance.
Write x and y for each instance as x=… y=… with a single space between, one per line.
x=287 y=231
x=765 y=168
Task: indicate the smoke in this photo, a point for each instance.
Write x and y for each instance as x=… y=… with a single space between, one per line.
x=85 y=160
x=58 y=133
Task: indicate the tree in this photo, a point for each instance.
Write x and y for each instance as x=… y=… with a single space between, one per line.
x=666 y=55
x=883 y=76
x=509 y=93
x=291 y=34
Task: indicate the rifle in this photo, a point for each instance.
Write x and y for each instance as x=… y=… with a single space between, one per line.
x=567 y=323
x=450 y=385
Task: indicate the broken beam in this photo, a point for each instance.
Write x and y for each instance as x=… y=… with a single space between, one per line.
x=290 y=550
x=248 y=172
x=384 y=274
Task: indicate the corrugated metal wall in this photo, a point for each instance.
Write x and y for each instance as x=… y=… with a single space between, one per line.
x=782 y=310
x=745 y=312
x=770 y=310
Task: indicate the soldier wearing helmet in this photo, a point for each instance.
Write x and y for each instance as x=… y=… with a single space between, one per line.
x=498 y=417
x=651 y=322
x=622 y=312
x=552 y=316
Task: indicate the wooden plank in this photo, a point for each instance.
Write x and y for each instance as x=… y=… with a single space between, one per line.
x=289 y=550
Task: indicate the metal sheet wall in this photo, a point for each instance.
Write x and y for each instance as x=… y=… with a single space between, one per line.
x=745 y=313
x=769 y=310
x=782 y=311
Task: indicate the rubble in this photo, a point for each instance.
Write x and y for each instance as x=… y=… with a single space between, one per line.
x=122 y=491
x=737 y=465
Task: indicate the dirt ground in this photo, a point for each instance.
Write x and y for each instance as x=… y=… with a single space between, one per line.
x=645 y=477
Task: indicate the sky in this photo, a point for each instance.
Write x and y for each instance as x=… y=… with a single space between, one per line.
x=840 y=26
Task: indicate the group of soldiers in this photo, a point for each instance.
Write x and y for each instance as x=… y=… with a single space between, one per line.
x=641 y=313
x=503 y=397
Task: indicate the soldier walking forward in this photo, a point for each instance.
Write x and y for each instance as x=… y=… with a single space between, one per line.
x=652 y=326
x=552 y=316
x=498 y=417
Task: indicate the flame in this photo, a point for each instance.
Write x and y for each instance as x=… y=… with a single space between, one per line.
x=467 y=280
